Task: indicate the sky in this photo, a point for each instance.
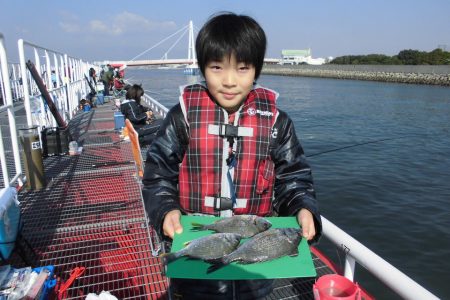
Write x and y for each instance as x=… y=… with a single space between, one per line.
x=120 y=30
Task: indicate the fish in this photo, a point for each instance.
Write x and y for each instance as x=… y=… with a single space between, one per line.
x=265 y=246
x=245 y=225
x=210 y=247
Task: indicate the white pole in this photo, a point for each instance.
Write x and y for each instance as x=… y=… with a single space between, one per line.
x=26 y=88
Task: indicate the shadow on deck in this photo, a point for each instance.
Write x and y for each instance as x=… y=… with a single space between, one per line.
x=91 y=215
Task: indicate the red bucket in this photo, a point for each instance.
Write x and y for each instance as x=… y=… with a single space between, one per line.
x=336 y=287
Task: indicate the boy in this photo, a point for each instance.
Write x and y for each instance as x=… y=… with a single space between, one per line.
x=226 y=149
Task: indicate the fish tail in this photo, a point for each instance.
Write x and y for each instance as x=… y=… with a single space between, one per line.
x=218 y=263
x=198 y=226
x=216 y=266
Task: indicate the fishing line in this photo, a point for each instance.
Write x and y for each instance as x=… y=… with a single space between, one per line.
x=156 y=93
x=363 y=143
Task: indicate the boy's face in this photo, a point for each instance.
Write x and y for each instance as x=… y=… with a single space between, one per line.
x=229 y=81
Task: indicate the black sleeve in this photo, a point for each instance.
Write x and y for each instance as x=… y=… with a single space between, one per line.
x=160 y=191
x=132 y=111
x=294 y=188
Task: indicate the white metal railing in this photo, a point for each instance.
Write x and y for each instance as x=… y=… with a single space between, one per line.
x=388 y=274
x=15 y=81
x=64 y=79
x=7 y=106
x=158 y=108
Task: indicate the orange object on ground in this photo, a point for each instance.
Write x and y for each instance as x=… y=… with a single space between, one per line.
x=74 y=274
x=136 y=148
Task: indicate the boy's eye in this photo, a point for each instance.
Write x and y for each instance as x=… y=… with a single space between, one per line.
x=214 y=67
x=244 y=68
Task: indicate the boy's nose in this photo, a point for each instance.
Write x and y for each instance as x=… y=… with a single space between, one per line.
x=229 y=79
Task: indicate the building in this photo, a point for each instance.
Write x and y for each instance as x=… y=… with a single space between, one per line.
x=296 y=57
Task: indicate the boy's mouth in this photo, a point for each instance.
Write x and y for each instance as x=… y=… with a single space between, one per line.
x=228 y=96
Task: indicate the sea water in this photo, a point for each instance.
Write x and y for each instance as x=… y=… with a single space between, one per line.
x=380 y=155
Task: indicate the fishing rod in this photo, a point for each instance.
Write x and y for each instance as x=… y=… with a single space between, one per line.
x=91 y=87
x=45 y=94
x=363 y=143
x=112 y=163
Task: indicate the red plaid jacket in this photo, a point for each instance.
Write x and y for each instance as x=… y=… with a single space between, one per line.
x=203 y=177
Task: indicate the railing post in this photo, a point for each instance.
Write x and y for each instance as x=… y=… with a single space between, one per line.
x=49 y=72
x=55 y=62
x=11 y=119
x=349 y=269
x=26 y=88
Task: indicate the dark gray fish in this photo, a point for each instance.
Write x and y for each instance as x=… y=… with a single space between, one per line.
x=245 y=225
x=265 y=246
x=210 y=247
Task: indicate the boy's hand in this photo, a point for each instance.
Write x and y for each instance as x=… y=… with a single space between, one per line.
x=306 y=221
x=171 y=224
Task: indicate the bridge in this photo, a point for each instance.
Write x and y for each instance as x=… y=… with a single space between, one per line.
x=191 y=60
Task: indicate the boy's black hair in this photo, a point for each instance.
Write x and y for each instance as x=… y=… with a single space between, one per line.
x=229 y=34
x=135 y=92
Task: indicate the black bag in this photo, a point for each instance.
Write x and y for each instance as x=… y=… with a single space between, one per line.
x=55 y=141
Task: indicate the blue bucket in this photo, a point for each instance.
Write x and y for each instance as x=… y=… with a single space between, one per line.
x=100 y=99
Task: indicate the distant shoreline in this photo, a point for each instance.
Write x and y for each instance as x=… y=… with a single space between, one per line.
x=429 y=75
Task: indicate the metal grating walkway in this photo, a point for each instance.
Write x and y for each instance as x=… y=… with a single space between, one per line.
x=91 y=215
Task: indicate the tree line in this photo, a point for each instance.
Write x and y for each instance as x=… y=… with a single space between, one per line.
x=404 y=57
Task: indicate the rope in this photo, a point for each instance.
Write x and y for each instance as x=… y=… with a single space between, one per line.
x=159 y=43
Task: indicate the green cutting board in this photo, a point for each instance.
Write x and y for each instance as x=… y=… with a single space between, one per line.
x=284 y=267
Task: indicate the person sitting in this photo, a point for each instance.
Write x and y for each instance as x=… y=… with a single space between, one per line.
x=142 y=118
x=118 y=83
x=119 y=86
x=84 y=105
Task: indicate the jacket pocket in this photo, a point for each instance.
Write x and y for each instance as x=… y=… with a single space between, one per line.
x=266 y=170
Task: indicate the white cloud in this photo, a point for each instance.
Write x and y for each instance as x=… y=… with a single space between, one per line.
x=98 y=26
x=69 y=27
x=126 y=22
x=71 y=22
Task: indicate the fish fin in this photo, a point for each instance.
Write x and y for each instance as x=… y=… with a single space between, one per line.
x=198 y=226
x=294 y=252
x=213 y=261
x=192 y=258
x=215 y=267
x=186 y=243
